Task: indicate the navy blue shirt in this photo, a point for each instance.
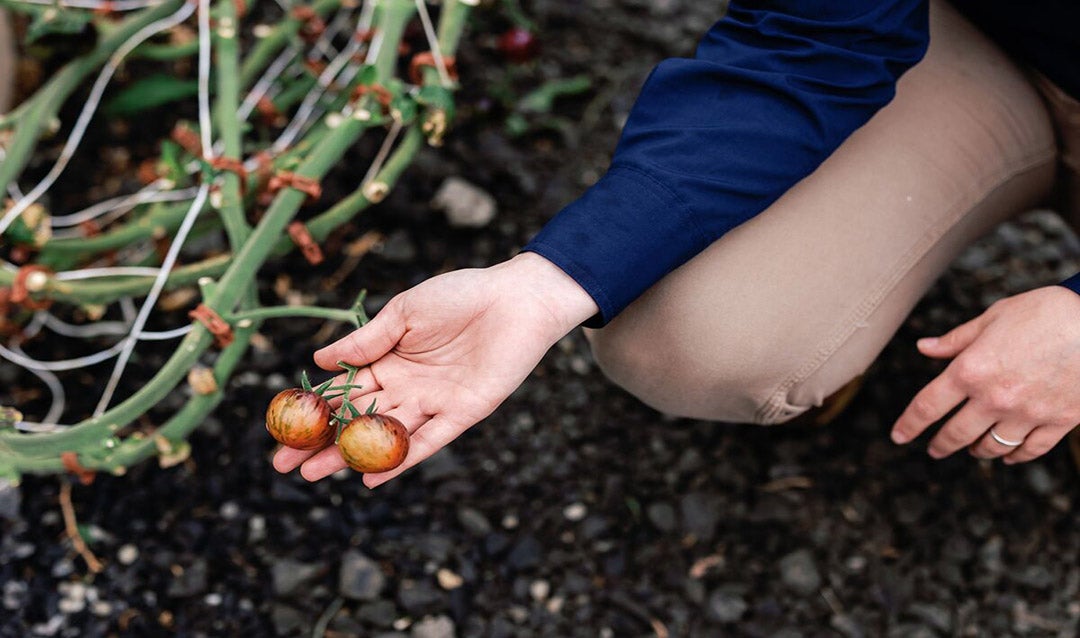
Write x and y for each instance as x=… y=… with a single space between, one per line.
x=715 y=139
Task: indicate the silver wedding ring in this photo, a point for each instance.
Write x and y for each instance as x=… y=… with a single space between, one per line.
x=1004 y=441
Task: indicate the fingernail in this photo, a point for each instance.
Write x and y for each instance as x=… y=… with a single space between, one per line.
x=936 y=454
x=927 y=342
x=1008 y=461
x=899 y=437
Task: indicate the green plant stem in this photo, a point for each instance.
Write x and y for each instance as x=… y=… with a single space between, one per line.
x=95 y=439
x=265 y=49
x=313 y=312
x=166 y=52
x=34 y=117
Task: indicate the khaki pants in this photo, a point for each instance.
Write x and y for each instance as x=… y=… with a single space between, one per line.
x=787 y=308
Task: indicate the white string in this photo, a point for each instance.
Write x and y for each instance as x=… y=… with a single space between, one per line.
x=56 y=390
x=89 y=108
x=384 y=151
x=153 y=193
x=112 y=271
x=307 y=107
x=189 y=218
x=273 y=72
x=118 y=5
x=433 y=42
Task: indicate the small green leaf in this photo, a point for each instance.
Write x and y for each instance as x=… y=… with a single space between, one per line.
x=150 y=92
x=305 y=382
x=371 y=408
x=542 y=100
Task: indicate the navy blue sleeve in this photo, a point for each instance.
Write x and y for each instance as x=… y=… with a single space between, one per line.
x=713 y=140
x=1073 y=283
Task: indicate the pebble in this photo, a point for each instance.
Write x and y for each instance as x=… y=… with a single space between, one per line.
x=418 y=598
x=700 y=515
x=127 y=554
x=724 y=607
x=381 y=613
x=936 y=616
x=190 y=582
x=662 y=515
x=10 y=500
x=799 y=572
x=257 y=528
x=15 y=594
x=448 y=580
x=539 y=590
x=1039 y=479
x=289 y=576
x=474 y=521
x=466 y=205
x=526 y=554
x=359 y=577
x=435 y=627
x=575 y=512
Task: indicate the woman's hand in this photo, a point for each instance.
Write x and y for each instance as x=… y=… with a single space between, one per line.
x=443 y=355
x=1015 y=369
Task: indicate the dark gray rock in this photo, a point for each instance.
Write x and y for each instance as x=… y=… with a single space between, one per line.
x=725 y=607
x=288 y=576
x=10 y=500
x=700 y=515
x=526 y=554
x=436 y=627
x=380 y=613
x=936 y=616
x=360 y=578
x=191 y=582
x=474 y=521
x=662 y=515
x=419 y=598
x=799 y=572
x=287 y=619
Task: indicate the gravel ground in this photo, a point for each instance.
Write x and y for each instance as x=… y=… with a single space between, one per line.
x=574 y=510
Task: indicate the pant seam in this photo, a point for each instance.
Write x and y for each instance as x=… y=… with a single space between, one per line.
x=776 y=403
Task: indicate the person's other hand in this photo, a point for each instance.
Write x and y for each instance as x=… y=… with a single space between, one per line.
x=443 y=355
x=1016 y=370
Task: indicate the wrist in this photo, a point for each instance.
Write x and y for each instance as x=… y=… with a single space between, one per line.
x=562 y=299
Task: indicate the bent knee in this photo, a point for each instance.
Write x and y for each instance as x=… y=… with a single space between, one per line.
x=743 y=380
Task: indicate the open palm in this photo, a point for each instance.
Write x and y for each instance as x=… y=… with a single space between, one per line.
x=442 y=356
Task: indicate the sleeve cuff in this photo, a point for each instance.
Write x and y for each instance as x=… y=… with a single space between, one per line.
x=598 y=239
x=1072 y=283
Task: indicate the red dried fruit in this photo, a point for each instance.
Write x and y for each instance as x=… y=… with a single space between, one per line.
x=519 y=45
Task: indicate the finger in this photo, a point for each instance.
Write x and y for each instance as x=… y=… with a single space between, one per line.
x=367 y=343
x=931 y=404
x=954 y=341
x=323 y=464
x=287 y=459
x=1038 y=442
x=963 y=429
x=987 y=447
x=428 y=439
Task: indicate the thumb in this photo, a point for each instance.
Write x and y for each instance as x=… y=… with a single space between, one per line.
x=366 y=344
x=954 y=341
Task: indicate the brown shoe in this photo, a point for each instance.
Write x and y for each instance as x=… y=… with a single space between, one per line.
x=832 y=406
